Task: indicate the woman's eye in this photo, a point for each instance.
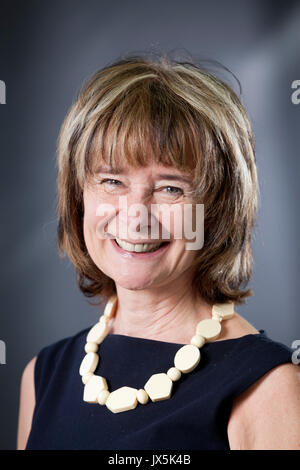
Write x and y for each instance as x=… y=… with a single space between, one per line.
x=174 y=190
x=111 y=181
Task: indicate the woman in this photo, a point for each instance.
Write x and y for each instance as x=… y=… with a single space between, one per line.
x=145 y=145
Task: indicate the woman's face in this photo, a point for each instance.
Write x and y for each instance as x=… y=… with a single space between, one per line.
x=112 y=217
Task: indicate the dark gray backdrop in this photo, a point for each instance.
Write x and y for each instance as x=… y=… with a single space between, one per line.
x=47 y=49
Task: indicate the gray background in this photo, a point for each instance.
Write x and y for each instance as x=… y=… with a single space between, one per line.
x=47 y=49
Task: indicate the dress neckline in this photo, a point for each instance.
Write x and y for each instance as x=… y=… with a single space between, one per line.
x=210 y=343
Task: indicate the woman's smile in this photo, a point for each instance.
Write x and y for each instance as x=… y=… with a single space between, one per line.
x=139 y=250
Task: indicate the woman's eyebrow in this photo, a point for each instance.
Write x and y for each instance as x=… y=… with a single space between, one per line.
x=184 y=179
x=166 y=176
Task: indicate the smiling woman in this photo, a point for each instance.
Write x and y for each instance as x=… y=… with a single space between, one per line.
x=144 y=146
x=178 y=116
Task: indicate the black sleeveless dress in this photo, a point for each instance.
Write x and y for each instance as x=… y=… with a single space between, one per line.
x=195 y=417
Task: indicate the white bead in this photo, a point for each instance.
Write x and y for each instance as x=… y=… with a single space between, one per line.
x=174 y=374
x=93 y=387
x=103 y=396
x=89 y=363
x=91 y=347
x=187 y=358
x=85 y=378
x=111 y=306
x=198 y=341
x=97 y=333
x=159 y=387
x=225 y=310
x=122 y=399
x=142 y=396
x=209 y=329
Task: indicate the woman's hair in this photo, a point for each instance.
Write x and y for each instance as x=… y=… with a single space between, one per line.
x=193 y=121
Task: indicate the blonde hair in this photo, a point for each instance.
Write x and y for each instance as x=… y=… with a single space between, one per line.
x=192 y=120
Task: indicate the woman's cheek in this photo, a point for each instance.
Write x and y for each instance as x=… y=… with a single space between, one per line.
x=173 y=222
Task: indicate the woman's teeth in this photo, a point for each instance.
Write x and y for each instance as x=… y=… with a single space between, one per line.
x=138 y=247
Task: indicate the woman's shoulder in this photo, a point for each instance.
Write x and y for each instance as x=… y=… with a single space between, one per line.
x=265 y=394
x=38 y=373
x=62 y=344
x=53 y=350
x=61 y=350
x=248 y=354
x=254 y=353
x=55 y=358
x=267 y=414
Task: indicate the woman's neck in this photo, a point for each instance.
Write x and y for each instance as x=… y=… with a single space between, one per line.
x=165 y=313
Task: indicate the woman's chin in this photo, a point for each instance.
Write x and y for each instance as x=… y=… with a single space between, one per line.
x=134 y=284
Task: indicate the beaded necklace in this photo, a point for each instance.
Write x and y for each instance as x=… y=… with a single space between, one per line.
x=159 y=386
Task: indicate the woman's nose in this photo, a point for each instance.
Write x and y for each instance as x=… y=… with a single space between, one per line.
x=135 y=210
x=139 y=195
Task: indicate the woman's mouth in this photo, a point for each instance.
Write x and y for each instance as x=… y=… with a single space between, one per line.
x=140 y=250
x=138 y=247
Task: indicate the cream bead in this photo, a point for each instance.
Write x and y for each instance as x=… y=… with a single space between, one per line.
x=85 y=378
x=122 y=399
x=111 y=306
x=93 y=387
x=159 y=387
x=89 y=363
x=174 y=374
x=104 y=319
x=209 y=329
x=187 y=358
x=103 y=396
x=225 y=310
x=142 y=396
x=198 y=341
x=91 y=347
x=97 y=333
